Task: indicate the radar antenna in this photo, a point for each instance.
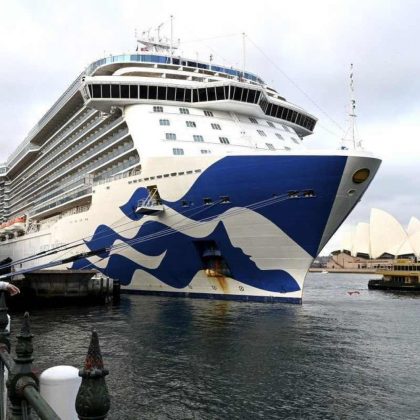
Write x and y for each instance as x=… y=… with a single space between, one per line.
x=160 y=44
x=350 y=140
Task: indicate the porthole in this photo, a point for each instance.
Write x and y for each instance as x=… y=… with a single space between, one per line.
x=361 y=175
x=350 y=192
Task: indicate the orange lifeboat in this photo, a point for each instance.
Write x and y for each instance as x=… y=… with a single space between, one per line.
x=18 y=224
x=15 y=225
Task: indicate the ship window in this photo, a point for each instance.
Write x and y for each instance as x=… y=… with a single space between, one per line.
x=177 y=151
x=96 y=91
x=184 y=110
x=211 y=94
x=208 y=113
x=224 y=199
x=279 y=136
x=164 y=122
x=195 y=95
x=143 y=92
x=295 y=140
x=261 y=133
x=253 y=120
x=125 y=91
x=238 y=94
x=293 y=116
x=187 y=95
x=171 y=94
x=152 y=92
x=286 y=127
x=158 y=109
x=180 y=93
x=189 y=172
x=161 y=93
x=251 y=96
x=170 y=136
x=134 y=92
x=224 y=140
x=270 y=124
x=270 y=146
x=245 y=95
x=215 y=126
x=207 y=201
x=220 y=93
x=191 y=124
x=202 y=95
x=226 y=92
x=106 y=91
x=205 y=151
x=198 y=138
x=115 y=91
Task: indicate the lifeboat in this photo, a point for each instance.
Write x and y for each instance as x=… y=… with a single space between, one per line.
x=8 y=226
x=15 y=225
x=18 y=224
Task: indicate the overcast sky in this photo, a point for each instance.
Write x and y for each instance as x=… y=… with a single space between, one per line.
x=44 y=45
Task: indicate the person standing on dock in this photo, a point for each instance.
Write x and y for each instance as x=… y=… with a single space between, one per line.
x=9 y=287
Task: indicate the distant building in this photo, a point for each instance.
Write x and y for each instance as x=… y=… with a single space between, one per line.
x=342 y=260
x=382 y=239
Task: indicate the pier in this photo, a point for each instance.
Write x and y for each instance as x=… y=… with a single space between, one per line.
x=42 y=288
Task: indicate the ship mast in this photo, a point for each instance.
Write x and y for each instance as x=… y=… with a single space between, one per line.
x=350 y=139
x=158 y=44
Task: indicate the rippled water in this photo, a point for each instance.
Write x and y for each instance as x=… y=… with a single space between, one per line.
x=335 y=357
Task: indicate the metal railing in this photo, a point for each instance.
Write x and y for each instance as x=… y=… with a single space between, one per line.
x=22 y=388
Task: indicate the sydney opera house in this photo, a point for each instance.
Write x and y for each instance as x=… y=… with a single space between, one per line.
x=375 y=244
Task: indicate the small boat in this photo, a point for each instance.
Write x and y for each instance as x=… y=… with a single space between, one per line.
x=404 y=275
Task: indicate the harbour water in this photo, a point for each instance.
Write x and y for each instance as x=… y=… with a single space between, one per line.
x=338 y=356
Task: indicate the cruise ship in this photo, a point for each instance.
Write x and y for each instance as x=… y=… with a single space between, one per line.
x=177 y=176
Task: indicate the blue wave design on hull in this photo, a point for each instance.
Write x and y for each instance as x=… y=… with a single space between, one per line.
x=182 y=260
x=246 y=180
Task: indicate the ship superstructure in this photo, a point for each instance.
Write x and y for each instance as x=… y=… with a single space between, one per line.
x=190 y=178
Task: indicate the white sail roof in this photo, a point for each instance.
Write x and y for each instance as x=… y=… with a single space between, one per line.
x=413 y=226
x=386 y=235
x=348 y=239
x=361 y=240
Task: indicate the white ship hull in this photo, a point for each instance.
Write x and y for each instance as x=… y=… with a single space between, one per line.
x=236 y=227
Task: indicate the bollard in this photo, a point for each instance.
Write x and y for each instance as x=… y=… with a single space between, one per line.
x=59 y=386
x=92 y=401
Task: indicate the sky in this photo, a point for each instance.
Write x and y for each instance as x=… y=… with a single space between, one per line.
x=302 y=48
